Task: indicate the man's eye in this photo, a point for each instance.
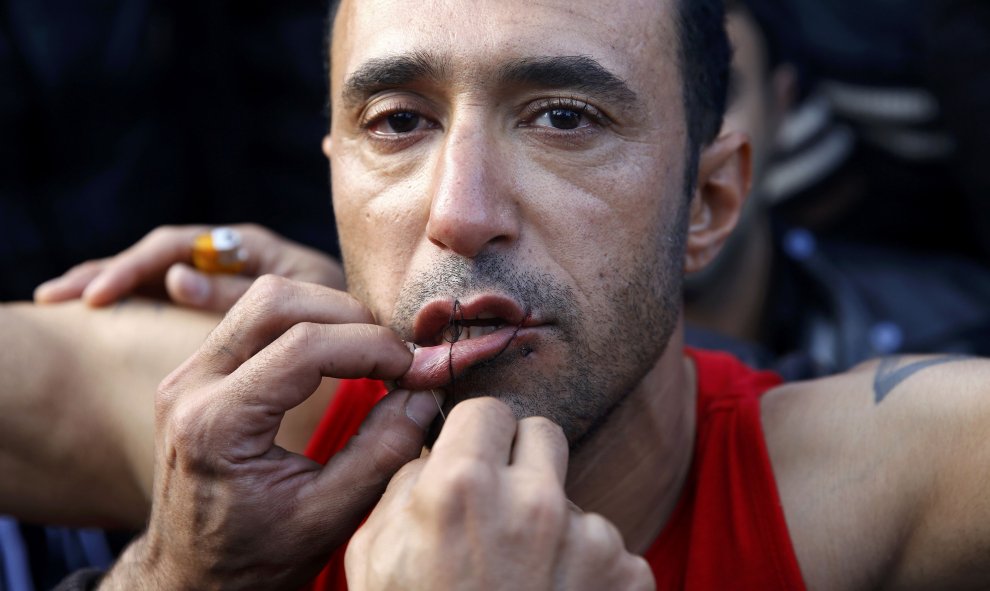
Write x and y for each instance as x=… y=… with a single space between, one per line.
x=398 y=123
x=561 y=119
x=563 y=115
x=403 y=122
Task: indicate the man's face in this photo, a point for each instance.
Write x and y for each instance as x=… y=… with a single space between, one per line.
x=525 y=159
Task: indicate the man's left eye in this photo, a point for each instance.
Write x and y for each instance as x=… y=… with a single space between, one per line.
x=560 y=118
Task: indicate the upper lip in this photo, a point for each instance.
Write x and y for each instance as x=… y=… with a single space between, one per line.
x=434 y=317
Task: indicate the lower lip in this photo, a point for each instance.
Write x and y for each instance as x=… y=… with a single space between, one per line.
x=433 y=367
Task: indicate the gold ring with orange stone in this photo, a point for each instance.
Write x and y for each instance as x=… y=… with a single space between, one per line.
x=219 y=251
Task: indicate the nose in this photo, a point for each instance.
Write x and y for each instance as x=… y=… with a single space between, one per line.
x=472 y=207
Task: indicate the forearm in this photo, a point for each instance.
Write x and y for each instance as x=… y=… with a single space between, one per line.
x=76 y=431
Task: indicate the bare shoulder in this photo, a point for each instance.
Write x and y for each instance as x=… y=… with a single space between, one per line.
x=873 y=466
x=898 y=388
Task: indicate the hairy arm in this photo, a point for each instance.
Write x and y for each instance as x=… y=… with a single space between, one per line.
x=884 y=472
x=77 y=427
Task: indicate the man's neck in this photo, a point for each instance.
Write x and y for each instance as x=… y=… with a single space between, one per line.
x=633 y=469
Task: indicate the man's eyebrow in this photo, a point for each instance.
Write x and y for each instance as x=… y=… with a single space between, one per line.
x=580 y=73
x=392 y=71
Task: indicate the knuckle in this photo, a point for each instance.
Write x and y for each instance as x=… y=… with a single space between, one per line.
x=178 y=386
x=186 y=434
x=599 y=534
x=300 y=338
x=161 y=233
x=88 y=266
x=492 y=409
x=497 y=408
x=466 y=479
x=169 y=391
x=270 y=285
x=640 y=575
x=254 y=230
x=266 y=294
x=408 y=470
x=544 y=424
x=183 y=422
x=544 y=509
x=546 y=428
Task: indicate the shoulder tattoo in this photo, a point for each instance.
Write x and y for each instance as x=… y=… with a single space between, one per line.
x=890 y=372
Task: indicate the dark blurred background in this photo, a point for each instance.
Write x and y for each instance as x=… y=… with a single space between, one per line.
x=118 y=116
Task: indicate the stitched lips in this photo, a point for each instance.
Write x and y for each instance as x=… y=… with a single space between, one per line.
x=453 y=339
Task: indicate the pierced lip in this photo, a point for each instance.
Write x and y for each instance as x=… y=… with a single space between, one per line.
x=435 y=363
x=497 y=310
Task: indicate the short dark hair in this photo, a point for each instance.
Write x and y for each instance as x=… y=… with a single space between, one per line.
x=704 y=54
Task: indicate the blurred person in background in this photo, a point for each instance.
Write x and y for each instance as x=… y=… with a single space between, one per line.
x=806 y=301
x=909 y=82
x=891 y=236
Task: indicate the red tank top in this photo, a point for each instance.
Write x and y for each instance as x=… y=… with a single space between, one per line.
x=728 y=529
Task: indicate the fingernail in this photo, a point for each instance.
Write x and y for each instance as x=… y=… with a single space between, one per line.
x=45 y=288
x=411 y=346
x=422 y=408
x=195 y=286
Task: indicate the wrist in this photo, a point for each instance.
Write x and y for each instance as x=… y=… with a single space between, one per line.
x=141 y=566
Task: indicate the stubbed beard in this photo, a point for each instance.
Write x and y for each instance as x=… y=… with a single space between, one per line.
x=594 y=353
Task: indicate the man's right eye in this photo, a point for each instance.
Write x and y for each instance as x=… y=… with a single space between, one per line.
x=398 y=123
x=402 y=122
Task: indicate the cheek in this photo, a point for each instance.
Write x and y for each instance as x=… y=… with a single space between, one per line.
x=602 y=216
x=380 y=219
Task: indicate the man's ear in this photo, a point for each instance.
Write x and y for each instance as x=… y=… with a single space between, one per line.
x=723 y=185
x=327 y=146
